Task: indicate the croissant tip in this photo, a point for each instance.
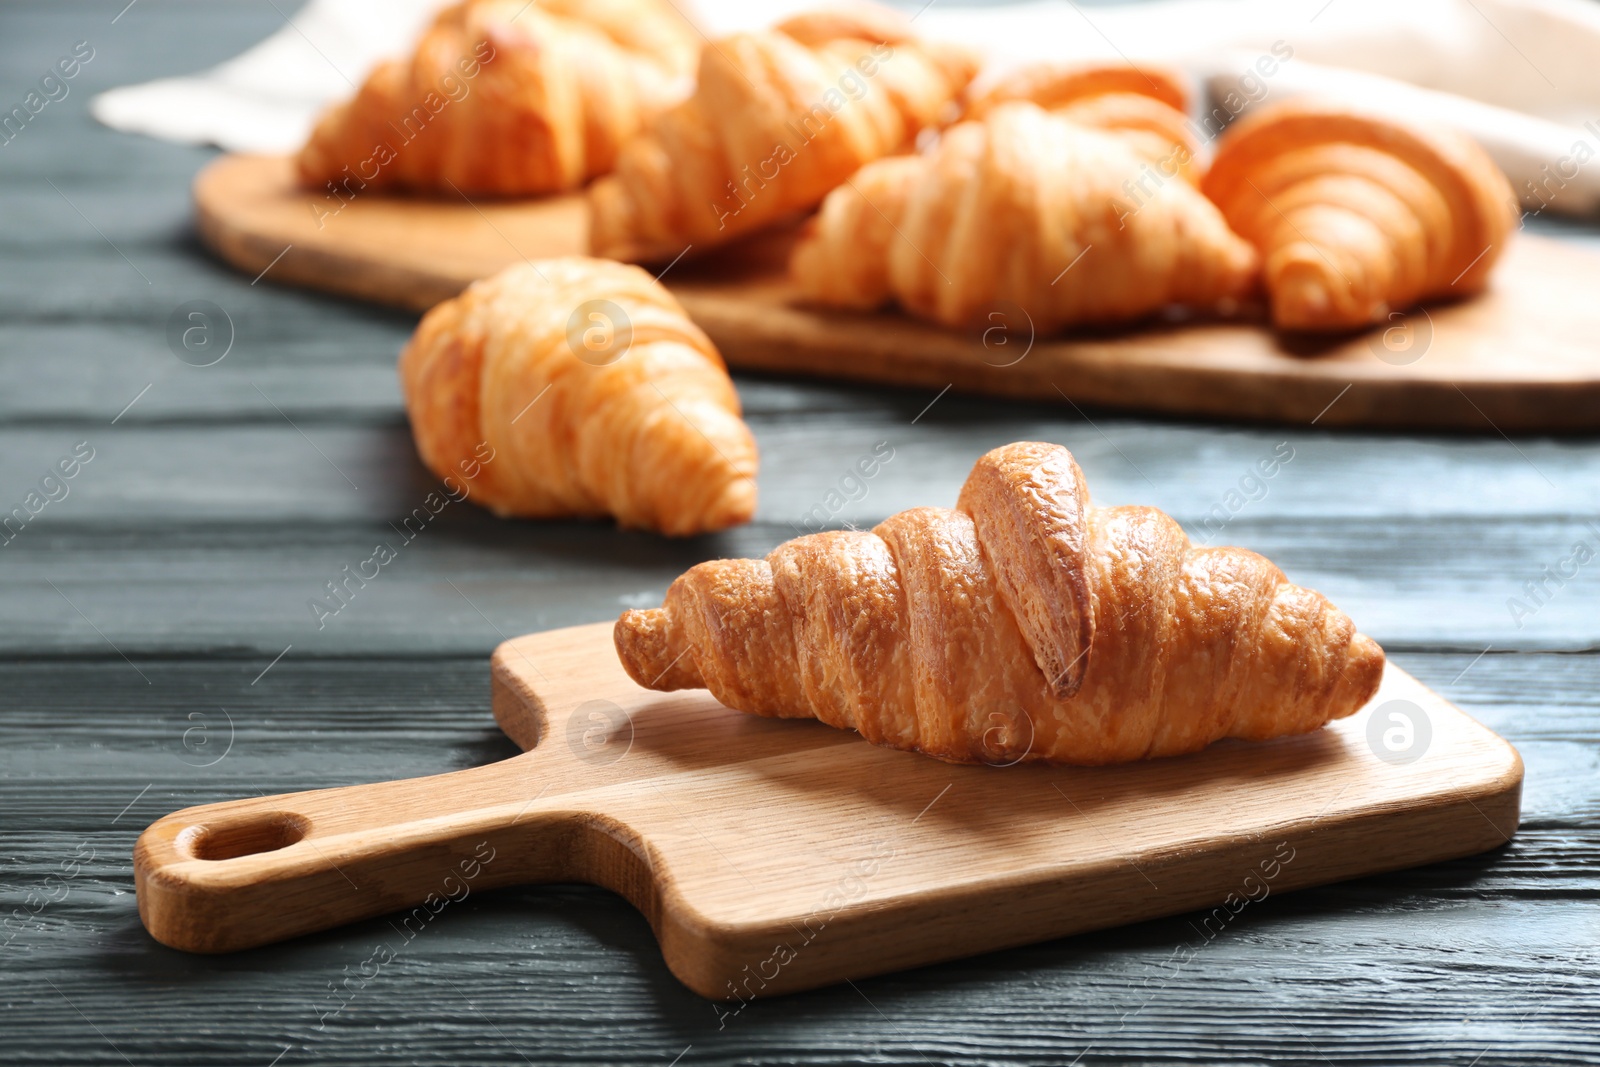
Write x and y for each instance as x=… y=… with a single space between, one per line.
x=653 y=652
x=640 y=637
x=1306 y=298
x=735 y=506
x=1361 y=678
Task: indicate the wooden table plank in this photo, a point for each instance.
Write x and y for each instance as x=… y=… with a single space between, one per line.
x=469 y=580
x=258 y=447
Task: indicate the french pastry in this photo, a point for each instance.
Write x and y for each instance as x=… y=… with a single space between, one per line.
x=1025 y=624
x=507 y=98
x=1355 y=216
x=1022 y=208
x=578 y=387
x=1147 y=106
x=777 y=119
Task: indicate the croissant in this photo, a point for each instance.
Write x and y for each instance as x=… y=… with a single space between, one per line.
x=1021 y=208
x=778 y=119
x=1357 y=216
x=507 y=98
x=1025 y=624
x=578 y=387
x=1147 y=106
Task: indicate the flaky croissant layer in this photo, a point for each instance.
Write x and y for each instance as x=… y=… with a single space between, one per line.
x=1024 y=624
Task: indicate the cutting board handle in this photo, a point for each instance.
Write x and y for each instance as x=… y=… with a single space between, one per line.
x=229 y=876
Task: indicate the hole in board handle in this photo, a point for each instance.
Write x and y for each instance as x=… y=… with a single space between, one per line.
x=245 y=837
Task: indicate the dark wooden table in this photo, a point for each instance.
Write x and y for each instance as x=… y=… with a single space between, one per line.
x=157 y=651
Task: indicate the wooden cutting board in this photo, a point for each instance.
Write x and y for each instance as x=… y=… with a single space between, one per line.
x=1523 y=359
x=777 y=855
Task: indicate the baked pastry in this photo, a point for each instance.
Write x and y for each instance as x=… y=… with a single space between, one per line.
x=1024 y=624
x=1021 y=209
x=578 y=387
x=1357 y=216
x=778 y=119
x=1148 y=106
x=507 y=98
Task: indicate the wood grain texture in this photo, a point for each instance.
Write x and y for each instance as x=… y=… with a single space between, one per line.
x=1492 y=958
x=1521 y=358
x=774 y=856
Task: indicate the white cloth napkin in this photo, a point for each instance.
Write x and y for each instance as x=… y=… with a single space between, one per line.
x=1522 y=76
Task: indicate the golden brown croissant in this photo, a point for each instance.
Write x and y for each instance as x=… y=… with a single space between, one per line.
x=1357 y=216
x=1021 y=208
x=1147 y=106
x=508 y=98
x=1024 y=624
x=579 y=387
x=778 y=119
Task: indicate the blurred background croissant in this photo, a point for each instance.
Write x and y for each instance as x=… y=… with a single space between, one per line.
x=1226 y=159
x=1449 y=61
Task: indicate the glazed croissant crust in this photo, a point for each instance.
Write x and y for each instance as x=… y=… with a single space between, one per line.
x=578 y=387
x=1356 y=216
x=1023 y=624
x=778 y=119
x=1023 y=208
x=507 y=98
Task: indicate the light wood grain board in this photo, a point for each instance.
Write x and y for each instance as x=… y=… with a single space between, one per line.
x=1524 y=358
x=771 y=856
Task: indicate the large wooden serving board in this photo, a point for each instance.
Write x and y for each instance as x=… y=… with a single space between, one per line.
x=776 y=855
x=1524 y=358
